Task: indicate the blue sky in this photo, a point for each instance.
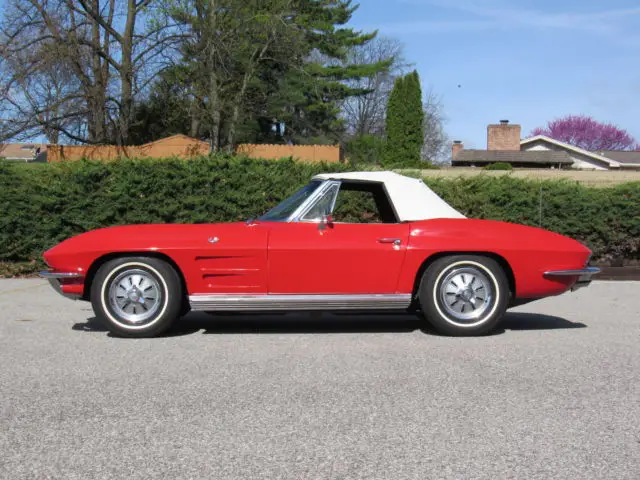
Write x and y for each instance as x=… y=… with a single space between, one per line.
x=523 y=60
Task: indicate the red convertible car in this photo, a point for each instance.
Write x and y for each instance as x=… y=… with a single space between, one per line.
x=362 y=241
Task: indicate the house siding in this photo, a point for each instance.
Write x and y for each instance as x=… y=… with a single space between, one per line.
x=580 y=162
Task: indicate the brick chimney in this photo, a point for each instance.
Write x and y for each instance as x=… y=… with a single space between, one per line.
x=456 y=148
x=503 y=136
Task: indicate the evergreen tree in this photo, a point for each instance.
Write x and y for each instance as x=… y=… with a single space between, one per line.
x=249 y=66
x=404 y=123
x=314 y=97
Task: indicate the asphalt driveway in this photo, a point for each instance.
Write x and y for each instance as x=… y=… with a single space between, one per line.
x=554 y=394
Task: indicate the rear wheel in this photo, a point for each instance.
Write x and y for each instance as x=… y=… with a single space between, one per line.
x=136 y=296
x=464 y=295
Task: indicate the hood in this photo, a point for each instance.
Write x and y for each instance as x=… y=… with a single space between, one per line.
x=145 y=237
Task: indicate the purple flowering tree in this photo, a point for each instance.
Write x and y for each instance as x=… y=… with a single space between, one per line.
x=584 y=132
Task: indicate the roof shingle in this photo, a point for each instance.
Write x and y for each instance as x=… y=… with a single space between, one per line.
x=621 y=156
x=538 y=157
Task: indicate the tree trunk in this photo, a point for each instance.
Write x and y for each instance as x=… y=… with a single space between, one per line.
x=99 y=88
x=53 y=137
x=213 y=106
x=214 y=100
x=256 y=58
x=214 y=140
x=194 y=131
x=126 y=74
x=231 y=133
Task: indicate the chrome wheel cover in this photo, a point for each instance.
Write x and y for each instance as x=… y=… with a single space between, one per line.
x=135 y=296
x=465 y=293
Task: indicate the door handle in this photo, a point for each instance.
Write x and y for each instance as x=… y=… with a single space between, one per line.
x=395 y=241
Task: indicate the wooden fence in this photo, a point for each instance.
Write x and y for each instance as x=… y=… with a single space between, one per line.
x=178 y=146
x=186 y=147
x=310 y=153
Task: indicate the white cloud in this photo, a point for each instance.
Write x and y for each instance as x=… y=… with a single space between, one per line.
x=493 y=15
x=435 y=26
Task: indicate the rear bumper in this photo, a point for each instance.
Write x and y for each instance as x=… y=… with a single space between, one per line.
x=584 y=276
x=55 y=279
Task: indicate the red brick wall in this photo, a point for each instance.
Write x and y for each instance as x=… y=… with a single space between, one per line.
x=503 y=137
x=455 y=149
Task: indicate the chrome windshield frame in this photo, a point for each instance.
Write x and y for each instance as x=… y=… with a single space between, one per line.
x=308 y=204
x=311 y=202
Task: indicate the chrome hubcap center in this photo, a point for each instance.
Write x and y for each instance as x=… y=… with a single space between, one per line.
x=466 y=293
x=135 y=296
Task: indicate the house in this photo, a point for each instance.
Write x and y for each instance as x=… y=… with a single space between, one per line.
x=24 y=152
x=504 y=144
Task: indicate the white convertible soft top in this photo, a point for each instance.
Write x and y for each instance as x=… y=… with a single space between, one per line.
x=411 y=198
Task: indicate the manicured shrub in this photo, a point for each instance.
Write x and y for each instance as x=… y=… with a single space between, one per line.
x=42 y=205
x=607 y=220
x=45 y=204
x=364 y=149
x=499 y=166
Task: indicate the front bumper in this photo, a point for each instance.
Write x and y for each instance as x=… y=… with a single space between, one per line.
x=584 y=276
x=55 y=279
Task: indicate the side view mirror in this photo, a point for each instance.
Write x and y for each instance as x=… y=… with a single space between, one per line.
x=326 y=221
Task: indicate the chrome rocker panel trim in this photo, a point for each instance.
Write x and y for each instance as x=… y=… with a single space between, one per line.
x=224 y=302
x=584 y=276
x=47 y=274
x=54 y=280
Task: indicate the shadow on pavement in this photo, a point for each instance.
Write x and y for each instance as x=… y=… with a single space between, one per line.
x=321 y=323
x=91 y=325
x=536 y=321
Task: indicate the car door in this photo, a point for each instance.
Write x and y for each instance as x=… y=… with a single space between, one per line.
x=338 y=258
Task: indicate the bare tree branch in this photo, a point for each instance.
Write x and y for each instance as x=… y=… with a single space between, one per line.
x=110 y=51
x=365 y=114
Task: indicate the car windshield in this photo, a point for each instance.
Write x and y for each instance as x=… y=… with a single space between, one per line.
x=283 y=210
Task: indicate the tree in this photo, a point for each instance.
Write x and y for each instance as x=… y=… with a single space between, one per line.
x=224 y=43
x=251 y=65
x=585 y=132
x=93 y=71
x=365 y=114
x=324 y=86
x=436 y=147
x=94 y=58
x=44 y=102
x=167 y=110
x=405 y=122
x=364 y=149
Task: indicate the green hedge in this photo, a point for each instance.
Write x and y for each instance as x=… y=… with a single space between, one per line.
x=607 y=220
x=44 y=204
x=499 y=166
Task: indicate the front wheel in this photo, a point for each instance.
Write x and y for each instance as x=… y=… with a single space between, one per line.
x=464 y=295
x=136 y=296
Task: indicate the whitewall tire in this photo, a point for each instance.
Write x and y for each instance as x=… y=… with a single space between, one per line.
x=136 y=296
x=464 y=295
